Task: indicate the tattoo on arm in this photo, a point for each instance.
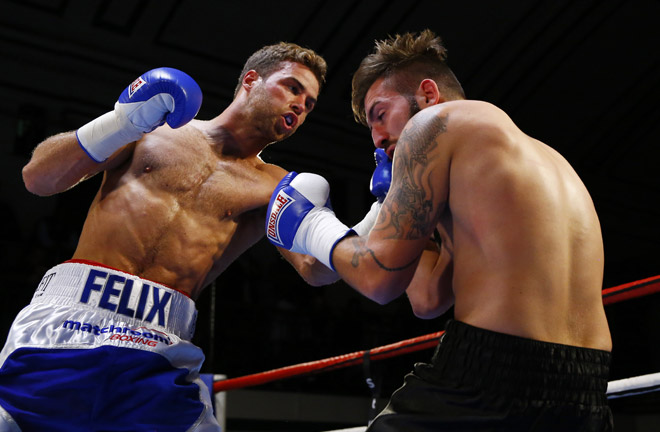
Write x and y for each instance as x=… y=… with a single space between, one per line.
x=362 y=250
x=411 y=213
x=414 y=198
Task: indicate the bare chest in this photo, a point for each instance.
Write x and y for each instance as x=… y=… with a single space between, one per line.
x=199 y=180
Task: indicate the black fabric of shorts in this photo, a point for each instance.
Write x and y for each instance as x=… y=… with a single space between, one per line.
x=480 y=380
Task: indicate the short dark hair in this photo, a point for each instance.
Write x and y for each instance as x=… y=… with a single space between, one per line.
x=409 y=59
x=267 y=60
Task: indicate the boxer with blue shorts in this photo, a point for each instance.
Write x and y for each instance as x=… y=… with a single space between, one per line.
x=105 y=343
x=100 y=349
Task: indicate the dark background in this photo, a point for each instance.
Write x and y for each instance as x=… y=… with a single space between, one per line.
x=582 y=76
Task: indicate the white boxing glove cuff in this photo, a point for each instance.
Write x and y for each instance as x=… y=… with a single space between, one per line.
x=320 y=232
x=104 y=135
x=363 y=227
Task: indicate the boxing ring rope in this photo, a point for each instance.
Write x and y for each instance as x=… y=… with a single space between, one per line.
x=615 y=389
x=332 y=363
x=633 y=386
x=631 y=290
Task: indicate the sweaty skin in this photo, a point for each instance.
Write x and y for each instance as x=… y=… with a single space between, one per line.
x=178 y=206
x=521 y=239
x=178 y=210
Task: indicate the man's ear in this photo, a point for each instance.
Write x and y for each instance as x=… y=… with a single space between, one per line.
x=250 y=78
x=428 y=94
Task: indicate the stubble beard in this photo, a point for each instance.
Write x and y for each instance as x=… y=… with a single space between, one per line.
x=265 y=117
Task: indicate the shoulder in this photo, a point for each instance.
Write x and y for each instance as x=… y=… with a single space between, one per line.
x=174 y=145
x=276 y=172
x=193 y=134
x=465 y=122
x=462 y=113
x=439 y=124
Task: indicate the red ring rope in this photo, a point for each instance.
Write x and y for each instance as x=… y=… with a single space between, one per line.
x=610 y=296
x=631 y=290
x=397 y=348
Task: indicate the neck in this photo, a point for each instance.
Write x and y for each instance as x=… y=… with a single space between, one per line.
x=233 y=133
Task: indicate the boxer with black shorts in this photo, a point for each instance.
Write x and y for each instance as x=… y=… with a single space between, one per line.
x=520 y=259
x=105 y=342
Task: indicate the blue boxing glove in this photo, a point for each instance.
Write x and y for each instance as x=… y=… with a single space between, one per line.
x=382 y=176
x=300 y=218
x=380 y=184
x=158 y=96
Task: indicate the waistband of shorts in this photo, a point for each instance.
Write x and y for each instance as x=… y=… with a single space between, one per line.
x=522 y=366
x=111 y=291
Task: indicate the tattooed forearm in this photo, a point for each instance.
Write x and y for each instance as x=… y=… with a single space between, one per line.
x=413 y=201
x=361 y=250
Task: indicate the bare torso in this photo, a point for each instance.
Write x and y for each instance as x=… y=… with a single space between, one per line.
x=523 y=233
x=179 y=211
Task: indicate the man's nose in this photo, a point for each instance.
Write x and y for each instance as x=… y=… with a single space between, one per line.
x=379 y=137
x=298 y=107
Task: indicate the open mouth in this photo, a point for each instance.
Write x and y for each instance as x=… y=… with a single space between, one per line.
x=290 y=119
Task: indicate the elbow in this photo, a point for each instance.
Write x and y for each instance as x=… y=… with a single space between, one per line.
x=32 y=181
x=429 y=307
x=38 y=184
x=382 y=300
x=383 y=297
x=39 y=181
x=428 y=312
x=318 y=280
x=313 y=281
x=313 y=272
x=381 y=292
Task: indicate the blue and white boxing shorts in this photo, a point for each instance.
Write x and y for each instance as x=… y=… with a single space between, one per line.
x=98 y=349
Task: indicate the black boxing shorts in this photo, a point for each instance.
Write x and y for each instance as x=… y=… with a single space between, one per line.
x=480 y=380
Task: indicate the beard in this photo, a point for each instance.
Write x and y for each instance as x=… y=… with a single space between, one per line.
x=413 y=105
x=265 y=118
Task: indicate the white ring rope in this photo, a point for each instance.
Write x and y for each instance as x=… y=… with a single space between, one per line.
x=633 y=386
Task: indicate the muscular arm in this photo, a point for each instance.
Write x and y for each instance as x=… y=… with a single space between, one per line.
x=430 y=291
x=309 y=268
x=160 y=95
x=59 y=163
x=382 y=264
